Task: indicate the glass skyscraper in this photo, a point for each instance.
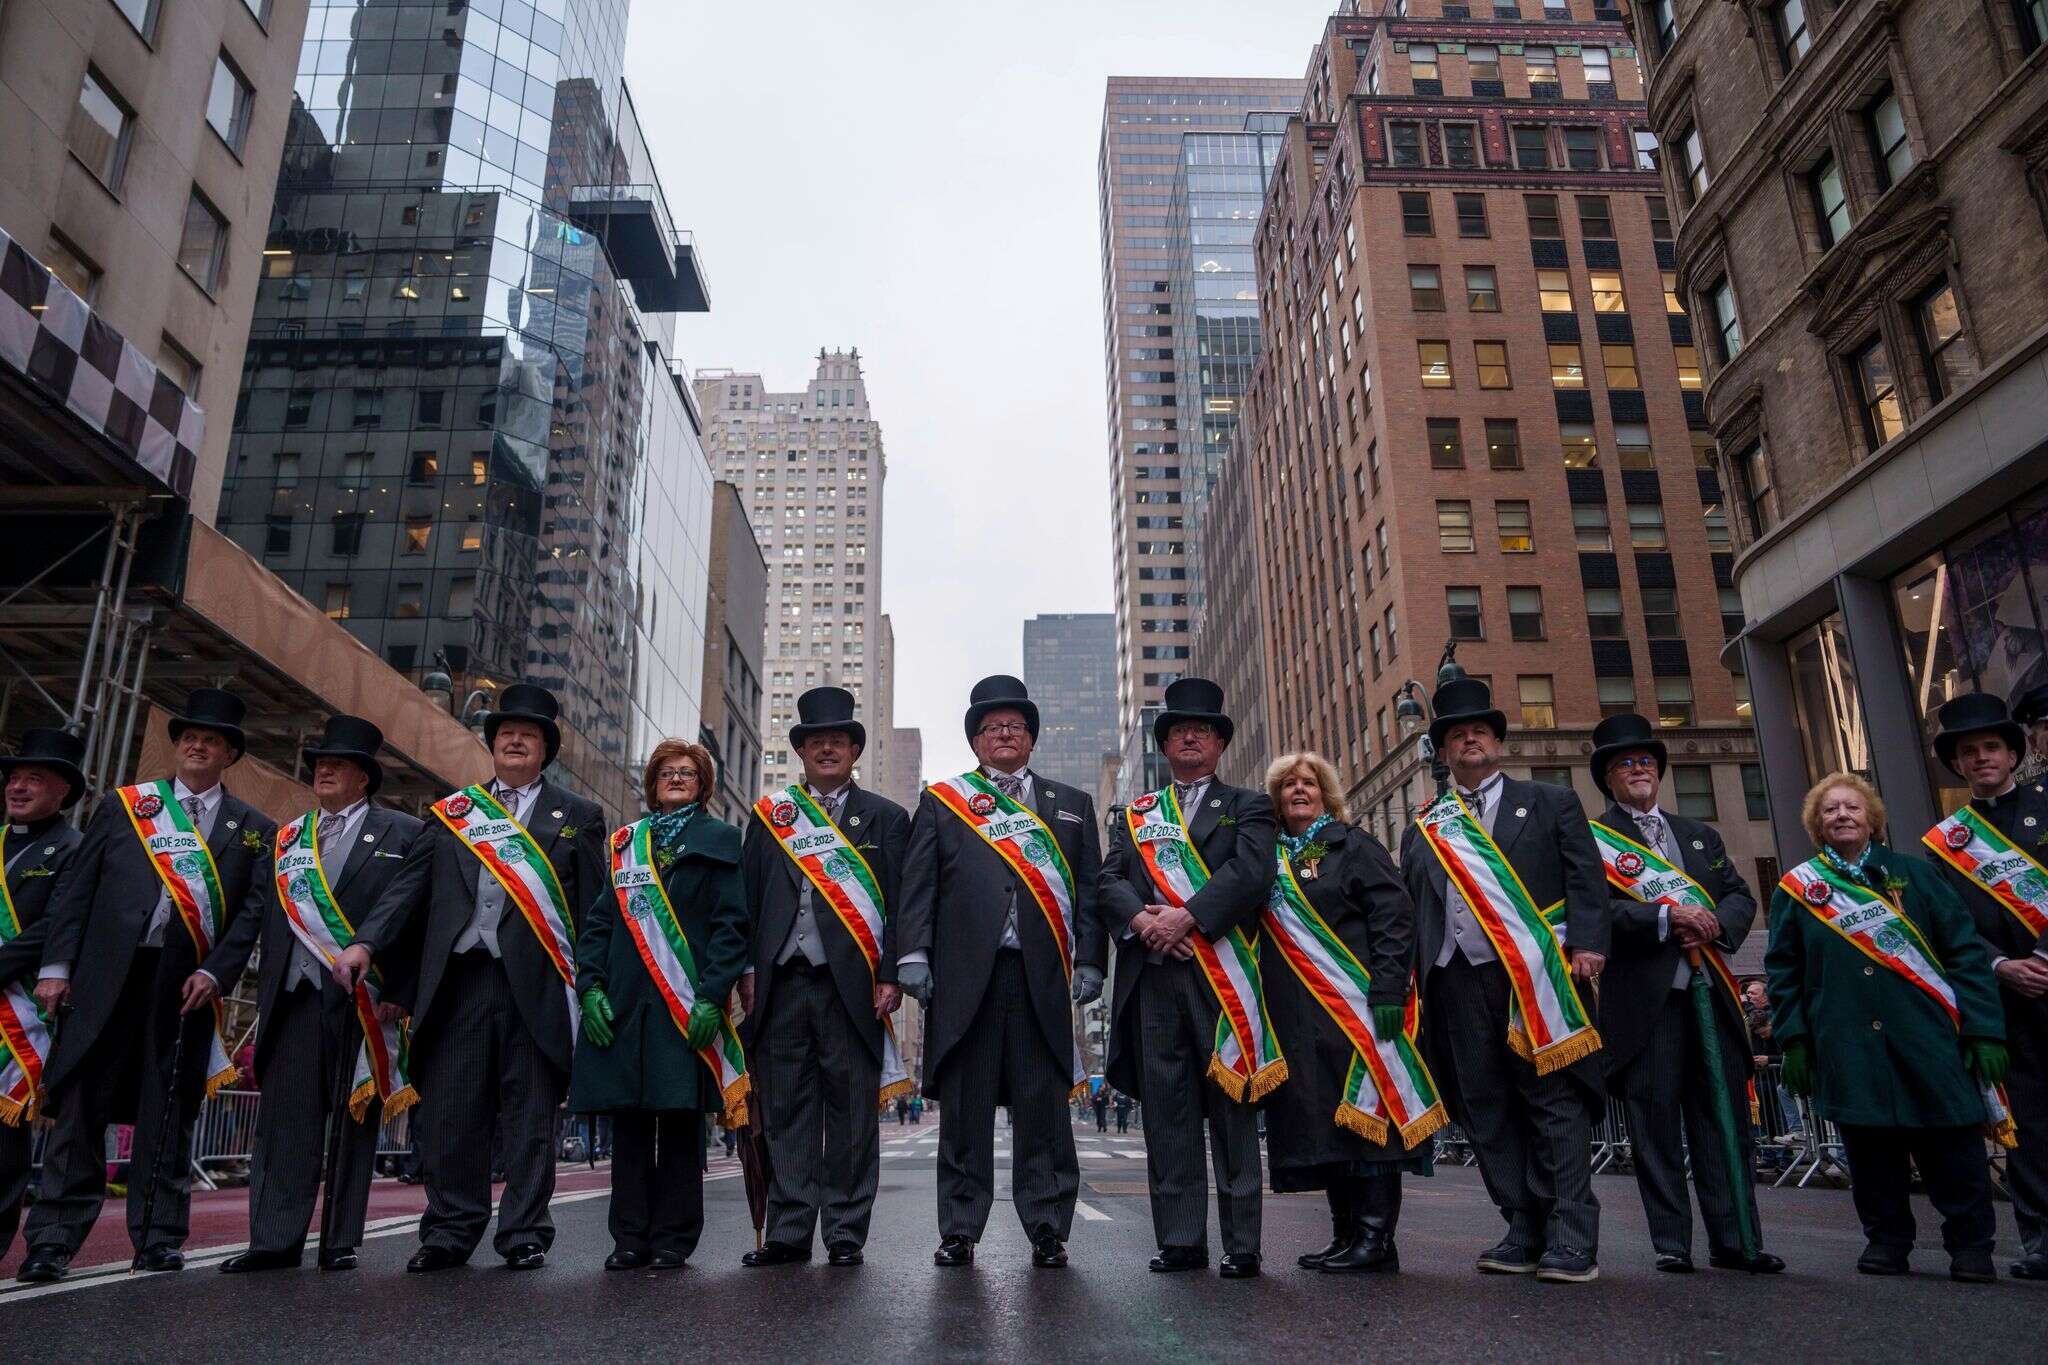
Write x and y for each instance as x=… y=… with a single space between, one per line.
x=1070 y=669
x=461 y=428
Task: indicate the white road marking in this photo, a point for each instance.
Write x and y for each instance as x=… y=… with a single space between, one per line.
x=1090 y=1212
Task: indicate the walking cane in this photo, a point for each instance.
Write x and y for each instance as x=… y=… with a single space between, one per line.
x=164 y=1130
x=338 y=1118
x=1724 y=1112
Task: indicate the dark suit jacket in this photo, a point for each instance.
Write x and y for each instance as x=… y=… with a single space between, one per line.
x=30 y=885
x=1542 y=830
x=434 y=893
x=101 y=911
x=880 y=830
x=2026 y=1019
x=1234 y=831
x=1641 y=967
x=956 y=890
x=374 y=857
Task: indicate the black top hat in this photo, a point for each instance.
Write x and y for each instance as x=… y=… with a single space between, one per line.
x=1192 y=699
x=529 y=702
x=2032 y=705
x=57 y=750
x=826 y=708
x=1463 y=699
x=209 y=708
x=1969 y=713
x=1615 y=736
x=355 y=739
x=998 y=693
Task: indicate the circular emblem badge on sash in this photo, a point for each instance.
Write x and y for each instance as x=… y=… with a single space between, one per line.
x=511 y=853
x=1144 y=803
x=838 y=865
x=1958 y=837
x=149 y=806
x=457 y=805
x=1890 y=940
x=622 y=836
x=784 y=814
x=1166 y=855
x=1817 y=893
x=981 y=803
x=1629 y=864
x=301 y=887
x=641 y=905
x=186 y=865
x=2030 y=886
x=1034 y=852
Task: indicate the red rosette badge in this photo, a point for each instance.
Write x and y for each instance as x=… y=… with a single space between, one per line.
x=458 y=805
x=150 y=806
x=784 y=814
x=1958 y=837
x=981 y=803
x=1629 y=864
x=622 y=836
x=1817 y=893
x=1144 y=803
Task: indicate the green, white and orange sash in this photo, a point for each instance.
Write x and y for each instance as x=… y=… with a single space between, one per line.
x=840 y=875
x=2004 y=871
x=1880 y=930
x=1388 y=1086
x=185 y=864
x=1247 y=1061
x=650 y=919
x=24 y=1037
x=1024 y=843
x=1550 y=1026
x=315 y=917
x=1639 y=873
x=510 y=854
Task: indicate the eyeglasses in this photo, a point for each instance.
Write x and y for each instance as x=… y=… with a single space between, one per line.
x=1006 y=727
x=675 y=774
x=1635 y=761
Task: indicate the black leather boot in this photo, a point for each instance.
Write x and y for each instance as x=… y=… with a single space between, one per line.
x=1343 y=1225
x=1378 y=1201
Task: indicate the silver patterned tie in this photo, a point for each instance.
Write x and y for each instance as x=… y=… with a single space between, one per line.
x=1653 y=832
x=193 y=806
x=327 y=829
x=1011 y=785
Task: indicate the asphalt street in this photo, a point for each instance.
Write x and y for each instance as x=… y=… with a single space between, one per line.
x=1106 y=1305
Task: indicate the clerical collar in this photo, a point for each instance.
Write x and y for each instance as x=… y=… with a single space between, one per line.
x=1993 y=802
x=33 y=827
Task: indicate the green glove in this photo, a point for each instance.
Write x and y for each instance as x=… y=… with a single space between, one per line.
x=1386 y=1021
x=1987 y=1060
x=597 y=1016
x=1798 y=1072
x=704 y=1020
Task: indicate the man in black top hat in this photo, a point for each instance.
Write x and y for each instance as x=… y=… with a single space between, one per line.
x=42 y=781
x=1163 y=1024
x=815 y=1006
x=1980 y=743
x=308 y=1036
x=1656 y=1059
x=122 y=974
x=494 y=1034
x=976 y=942
x=1532 y=1133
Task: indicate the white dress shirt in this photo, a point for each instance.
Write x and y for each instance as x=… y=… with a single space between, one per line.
x=1465 y=935
x=160 y=916
x=482 y=929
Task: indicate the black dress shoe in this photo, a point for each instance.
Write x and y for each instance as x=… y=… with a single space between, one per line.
x=341 y=1258
x=46 y=1266
x=1242 y=1265
x=260 y=1260
x=526 y=1256
x=668 y=1260
x=1567 y=1265
x=1171 y=1259
x=954 y=1251
x=627 y=1260
x=1973 y=1266
x=1882 y=1261
x=1047 y=1253
x=2031 y=1268
x=430 y=1258
x=1673 y=1263
x=1509 y=1257
x=1339 y=1244
x=777 y=1253
x=844 y=1256
x=157 y=1260
x=1763 y=1263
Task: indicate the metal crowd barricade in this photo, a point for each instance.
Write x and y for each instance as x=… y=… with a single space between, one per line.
x=1610 y=1139
x=224 y=1134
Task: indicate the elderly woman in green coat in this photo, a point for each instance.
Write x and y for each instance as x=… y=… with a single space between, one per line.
x=654 y=983
x=1883 y=999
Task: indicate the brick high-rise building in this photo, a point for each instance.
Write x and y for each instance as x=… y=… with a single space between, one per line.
x=1476 y=413
x=1149 y=177
x=810 y=464
x=1861 y=192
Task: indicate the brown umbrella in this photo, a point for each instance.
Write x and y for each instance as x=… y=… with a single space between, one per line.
x=754 y=1168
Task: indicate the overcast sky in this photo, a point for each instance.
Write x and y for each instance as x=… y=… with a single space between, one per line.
x=918 y=179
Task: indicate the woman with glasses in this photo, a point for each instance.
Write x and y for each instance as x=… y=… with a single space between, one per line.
x=656 y=957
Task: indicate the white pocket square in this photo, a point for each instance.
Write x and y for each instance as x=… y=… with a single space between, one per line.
x=1069 y=815
x=382 y=853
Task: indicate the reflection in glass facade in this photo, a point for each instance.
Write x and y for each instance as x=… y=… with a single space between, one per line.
x=461 y=431
x=1830 y=708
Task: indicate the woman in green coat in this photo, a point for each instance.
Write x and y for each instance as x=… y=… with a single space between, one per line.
x=633 y=1060
x=1882 y=997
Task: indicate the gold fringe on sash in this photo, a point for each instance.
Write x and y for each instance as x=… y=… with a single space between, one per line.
x=359 y=1099
x=1248 y=1091
x=1557 y=1056
x=2005 y=1132
x=222 y=1080
x=1419 y=1128
x=1232 y=1083
x=735 y=1100
x=890 y=1093
x=400 y=1101
x=1077 y=1092
x=1371 y=1127
x=14 y=1113
x=1266 y=1081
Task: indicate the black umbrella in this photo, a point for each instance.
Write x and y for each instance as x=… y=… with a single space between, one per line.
x=1717 y=1091
x=754 y=1168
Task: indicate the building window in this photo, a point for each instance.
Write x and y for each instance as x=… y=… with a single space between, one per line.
x=1541 y=62
x=1690 y=157
x=1755 y=804
x=1372 y=636
x=1620 y=362
x=1944 y=350
x=1436 y=363
x=142 y=14
x=1646 y=150
x=1446 y=447
x=409 y=600
x=1688 y=367
x=1492 y=359
x=1482 y=289
x=1463 y=604
x=1471 y=214
x=1415 y=220
x=1830 y=204
x=1422 y=62
x=1753 y=472
x=1631 y=442
x=1590 y=529
x=1693 y=783
x=1461 y=146
x=1672 y=304
x=1660 y=217
x=347 y=531
x=228 y=104
x=1716 y=524
x=176 y=364
x=1405 y=141
x=1539 y=702
x=1484 y=61
x=1503 y=443
x=1599 y=65
x=1603 y=613
x=1554 y=290
x=1393 y=636
x=1886 y=120
x=1788 y=24
x=1727 y=324
x=1596 y=220
x=1454 y=527
x=336 y=605
x=1660 y=612
x=1543 y=219
x=1426 y=288
x=1607 y=295
x=277 y=535
x=101 y=123
x=418 y=532
x=1532 y=146
x=1567 y=366
x=1516 y=535
x=1525 y=613
x=1877 y=393
x=203 y=243
x=1580 y=450
x=368 y=409
x=1617 y=696
x=426 y=467
x=1646 y=526
x=1674 y=701
x=1582 y=149
x=1664 y=22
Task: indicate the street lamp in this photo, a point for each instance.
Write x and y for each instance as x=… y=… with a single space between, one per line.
x=1411 y=710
